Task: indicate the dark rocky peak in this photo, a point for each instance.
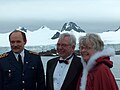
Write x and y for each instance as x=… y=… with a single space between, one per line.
x=114 y=30
x=118 y=28
x=71 y=25
x=42 y=27
x=56 y=35
x=21 y=29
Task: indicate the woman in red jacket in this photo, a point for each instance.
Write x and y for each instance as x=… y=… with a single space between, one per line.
x=96 y=74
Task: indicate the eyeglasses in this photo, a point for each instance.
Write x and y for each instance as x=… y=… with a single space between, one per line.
x=62 y=45
x=85 y=47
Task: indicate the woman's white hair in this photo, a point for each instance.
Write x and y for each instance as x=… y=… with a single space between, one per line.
x=94 y=39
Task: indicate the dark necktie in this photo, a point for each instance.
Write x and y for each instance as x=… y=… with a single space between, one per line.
x=20 y=61
x=66 y=61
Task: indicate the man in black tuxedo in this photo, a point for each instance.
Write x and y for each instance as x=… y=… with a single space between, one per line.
x=62 y=72
x=22 y=69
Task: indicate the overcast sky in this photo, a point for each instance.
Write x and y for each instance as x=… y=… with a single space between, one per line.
x=54 y=13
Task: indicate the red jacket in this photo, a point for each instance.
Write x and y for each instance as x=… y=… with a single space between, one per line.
x=98 y=75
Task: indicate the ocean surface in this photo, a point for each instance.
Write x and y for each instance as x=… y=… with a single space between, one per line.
x=115 y=70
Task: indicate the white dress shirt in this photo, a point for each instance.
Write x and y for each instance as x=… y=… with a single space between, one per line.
x=22 y=55
x=60 y=74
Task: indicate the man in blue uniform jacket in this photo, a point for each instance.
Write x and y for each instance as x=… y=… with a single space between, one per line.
x=1 y=79
x=27 y=75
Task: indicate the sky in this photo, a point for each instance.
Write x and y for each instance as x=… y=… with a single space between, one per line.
x=90 y=15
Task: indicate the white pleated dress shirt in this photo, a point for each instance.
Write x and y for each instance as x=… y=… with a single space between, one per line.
x=60 y=74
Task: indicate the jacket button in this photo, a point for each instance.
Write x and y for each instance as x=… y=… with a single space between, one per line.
x=26 y=62
x=22 y=74
x=23 y=81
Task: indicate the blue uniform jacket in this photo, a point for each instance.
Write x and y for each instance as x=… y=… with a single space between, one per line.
x=1 y=88
x=32 y=76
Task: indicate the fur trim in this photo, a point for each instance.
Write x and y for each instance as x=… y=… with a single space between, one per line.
x=91 y=63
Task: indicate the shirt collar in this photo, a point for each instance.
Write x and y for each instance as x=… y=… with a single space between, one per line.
x=66 y=57
x=22 y=54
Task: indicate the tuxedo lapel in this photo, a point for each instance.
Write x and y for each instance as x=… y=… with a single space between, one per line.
x=71 y=74
x=51 y=72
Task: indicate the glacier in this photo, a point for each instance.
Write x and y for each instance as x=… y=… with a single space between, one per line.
x=42 y=36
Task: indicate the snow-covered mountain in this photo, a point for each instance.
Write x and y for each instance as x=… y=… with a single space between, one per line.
x=43 y=36
x=71 y=25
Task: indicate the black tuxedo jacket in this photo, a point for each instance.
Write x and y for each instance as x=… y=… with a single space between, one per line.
x=71 y=78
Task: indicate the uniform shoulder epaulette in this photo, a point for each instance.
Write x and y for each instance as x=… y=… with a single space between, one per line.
x=33 y=52
x=3 y=55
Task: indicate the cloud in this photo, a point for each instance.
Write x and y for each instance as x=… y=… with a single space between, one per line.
x=60 y=9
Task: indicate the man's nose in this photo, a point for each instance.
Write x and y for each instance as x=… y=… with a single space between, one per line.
x=15 y=44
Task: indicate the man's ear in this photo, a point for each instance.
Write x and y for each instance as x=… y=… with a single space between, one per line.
x=25 y=42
